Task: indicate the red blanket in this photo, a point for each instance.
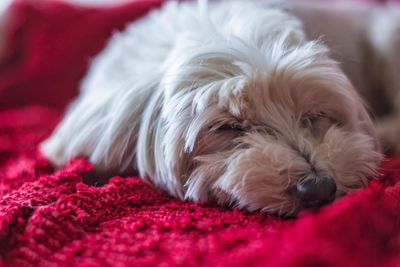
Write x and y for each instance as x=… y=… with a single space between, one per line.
x=70 y=217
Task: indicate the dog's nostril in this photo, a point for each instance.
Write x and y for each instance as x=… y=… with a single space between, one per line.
x=316 y=191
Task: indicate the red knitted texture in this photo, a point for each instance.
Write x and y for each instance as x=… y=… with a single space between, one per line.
x=71 y=217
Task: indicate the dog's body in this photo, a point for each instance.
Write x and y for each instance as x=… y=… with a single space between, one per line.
x=235 y=106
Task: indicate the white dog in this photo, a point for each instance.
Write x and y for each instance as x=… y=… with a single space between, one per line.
x=239 y=103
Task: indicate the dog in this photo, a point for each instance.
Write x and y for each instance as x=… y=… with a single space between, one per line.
x=239 y=103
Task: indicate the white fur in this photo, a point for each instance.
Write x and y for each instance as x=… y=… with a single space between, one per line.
x=155 y=98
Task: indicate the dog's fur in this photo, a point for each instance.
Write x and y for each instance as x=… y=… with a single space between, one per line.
x=234 y=105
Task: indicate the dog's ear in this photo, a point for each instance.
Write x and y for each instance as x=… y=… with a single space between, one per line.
x=355 y=110
x=365 y=121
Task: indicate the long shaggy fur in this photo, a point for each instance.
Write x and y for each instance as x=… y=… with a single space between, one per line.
x=231 y=104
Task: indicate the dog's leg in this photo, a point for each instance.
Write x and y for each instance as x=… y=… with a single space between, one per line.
x=104 y=126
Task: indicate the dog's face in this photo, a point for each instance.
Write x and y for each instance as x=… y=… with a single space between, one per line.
x=276 y=132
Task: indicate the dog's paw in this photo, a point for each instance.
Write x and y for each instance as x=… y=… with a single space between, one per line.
x=53 y=150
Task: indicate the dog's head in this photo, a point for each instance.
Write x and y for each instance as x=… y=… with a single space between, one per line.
x=275 y=127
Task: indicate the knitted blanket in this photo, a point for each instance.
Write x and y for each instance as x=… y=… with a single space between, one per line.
x=70 y=217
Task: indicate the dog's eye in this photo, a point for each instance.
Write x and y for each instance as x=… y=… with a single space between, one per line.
x=318 y=122
x=232 y=127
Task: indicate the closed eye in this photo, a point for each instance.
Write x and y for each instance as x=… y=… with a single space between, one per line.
x=231 y=127
x=310 y=119
x=318 y=122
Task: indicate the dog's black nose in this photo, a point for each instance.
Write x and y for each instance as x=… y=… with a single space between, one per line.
x=316 y=191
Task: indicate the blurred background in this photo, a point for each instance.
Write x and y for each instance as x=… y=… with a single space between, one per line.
x=5 y=3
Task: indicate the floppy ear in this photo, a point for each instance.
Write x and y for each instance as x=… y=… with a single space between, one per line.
x=365 y=122
x=358 y=110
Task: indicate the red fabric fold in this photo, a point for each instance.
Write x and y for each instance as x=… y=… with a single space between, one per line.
x=51 y=45
x=58 y=218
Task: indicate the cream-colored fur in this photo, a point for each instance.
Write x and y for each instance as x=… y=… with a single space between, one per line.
x=233 y=104
x=365 y=39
